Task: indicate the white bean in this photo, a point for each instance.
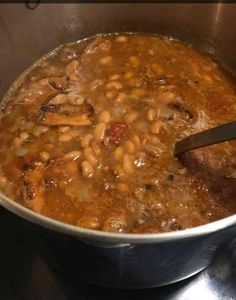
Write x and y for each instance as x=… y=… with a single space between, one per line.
x=151 y=114
x=65 y=137
x=87 y=169
x=128 y=163
x=24 y=136
x=136 y=140
x=118 y=153
x=89 y=155
x=129 y=147
x=104 y=116
x=122 y=39
x=71 y=67
x=114 y=85
x=40 y=130
x=63 y=129
x=44 y=156
x=99 y=131
x=131 y=117
x=134 y=60
x=86 y=139
x=155 y=127
x=72 y=155
x=106 y=60
x=3 y=181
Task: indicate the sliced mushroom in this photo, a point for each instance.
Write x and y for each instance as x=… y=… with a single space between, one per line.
x=54 y=119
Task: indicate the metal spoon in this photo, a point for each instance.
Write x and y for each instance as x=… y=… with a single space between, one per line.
x=208 y=137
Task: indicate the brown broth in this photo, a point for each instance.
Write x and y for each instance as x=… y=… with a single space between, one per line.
x=87 y=136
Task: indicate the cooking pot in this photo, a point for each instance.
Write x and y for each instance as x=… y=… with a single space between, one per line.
x=111 y=259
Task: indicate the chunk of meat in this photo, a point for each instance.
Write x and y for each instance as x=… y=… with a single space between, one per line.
x=117 y=132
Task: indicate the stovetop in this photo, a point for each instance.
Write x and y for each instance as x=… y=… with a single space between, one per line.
x=24 y=275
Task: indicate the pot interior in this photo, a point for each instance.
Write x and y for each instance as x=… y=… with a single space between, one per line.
x=26 y=34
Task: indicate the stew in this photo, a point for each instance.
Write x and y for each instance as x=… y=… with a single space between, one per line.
x=88 y=132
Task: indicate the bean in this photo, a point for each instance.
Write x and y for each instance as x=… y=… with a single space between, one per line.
x=129 y=147
x=167 y=97
x=151 y=52
x=207 y=79
x=114 y=85
x=3 y=181
x=155 y=127
x=158 y=70
x=118 y=153
x=136 y=140
x=76 y=101
x=40 y=130
x=104 y=116
x=24 y=136
x=128 y=75
x=96 y=148
x=135 y=82
x=122 y=39
x=127 y=164
x=89 y=155
x=74 y=76
x=110 y=94
x=131 y=117
x=106 y=60
x=99 y=131
x=123 y=187
x=134 y=61
x=65 y=137
x=182 y=171
x=95 y=84
x=114 y=77
x=86 y=139
x=59 y=99
x=120 y=98
x=71 y=67
x=44 y=156
x=87 y=169
x=89 y=222
x=49 y=146
x=16 y=142
x=138 y=92
x=151 y=114
x=63 y=129
x=72 y=155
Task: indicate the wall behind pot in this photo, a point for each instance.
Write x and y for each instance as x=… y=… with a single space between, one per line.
x=26 y=34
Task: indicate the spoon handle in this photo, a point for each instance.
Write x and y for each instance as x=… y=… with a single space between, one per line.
x=208 y=137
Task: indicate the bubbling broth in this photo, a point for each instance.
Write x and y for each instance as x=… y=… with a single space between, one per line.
x=88 y=132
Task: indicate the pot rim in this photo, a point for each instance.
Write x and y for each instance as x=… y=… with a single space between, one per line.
x=109 y=237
